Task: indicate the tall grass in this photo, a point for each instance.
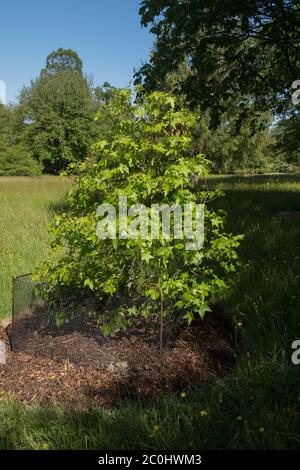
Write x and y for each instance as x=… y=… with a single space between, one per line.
x=265 y=296
x=26 y=205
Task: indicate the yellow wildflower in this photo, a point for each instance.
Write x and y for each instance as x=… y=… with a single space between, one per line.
x=155 y=430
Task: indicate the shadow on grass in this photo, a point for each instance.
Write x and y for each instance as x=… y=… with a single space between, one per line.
x=264 y=295
x=254 y=179
x=238 y=202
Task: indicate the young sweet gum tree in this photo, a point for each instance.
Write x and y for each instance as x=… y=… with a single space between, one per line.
x=150 y=160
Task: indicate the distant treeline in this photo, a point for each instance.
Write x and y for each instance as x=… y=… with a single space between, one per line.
x=53 y=125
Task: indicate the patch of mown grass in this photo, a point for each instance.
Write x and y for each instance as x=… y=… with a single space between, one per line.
x=258 y=405
x=26 y=206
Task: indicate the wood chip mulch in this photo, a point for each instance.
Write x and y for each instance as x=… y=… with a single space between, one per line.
x=74 y=370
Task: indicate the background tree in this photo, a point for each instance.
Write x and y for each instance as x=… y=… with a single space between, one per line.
x=238 y=143
x=234 y=146
x=56 y=113
x=250 y=47
x=286 y=136
x=15 y=156
x=63 y=59
x=105 y=93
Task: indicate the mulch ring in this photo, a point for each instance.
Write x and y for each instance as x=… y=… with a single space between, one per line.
x=73 y=368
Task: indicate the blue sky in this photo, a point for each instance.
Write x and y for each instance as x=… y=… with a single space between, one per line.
x=106 y=34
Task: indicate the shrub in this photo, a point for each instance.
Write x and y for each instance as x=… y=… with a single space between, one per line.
x=149 y=159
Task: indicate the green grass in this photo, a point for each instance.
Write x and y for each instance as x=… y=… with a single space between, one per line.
x=266 y=295
x=26 y=205
x=258 y=405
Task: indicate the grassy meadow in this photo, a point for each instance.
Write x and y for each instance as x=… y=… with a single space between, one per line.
x=257 y=406
x=26 y=206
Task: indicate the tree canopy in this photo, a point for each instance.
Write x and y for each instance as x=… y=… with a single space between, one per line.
x=249 y=48
x=56 y=113
x=63 y=59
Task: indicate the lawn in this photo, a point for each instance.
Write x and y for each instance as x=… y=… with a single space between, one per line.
x=26 y=206
x=257 y=405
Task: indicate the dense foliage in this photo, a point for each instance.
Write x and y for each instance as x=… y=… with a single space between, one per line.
x=15 y=155
x=286 y=139
x=150 y=159
x=235 y=147
x=56 y=114
x=246 y=47
x=238 y=144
